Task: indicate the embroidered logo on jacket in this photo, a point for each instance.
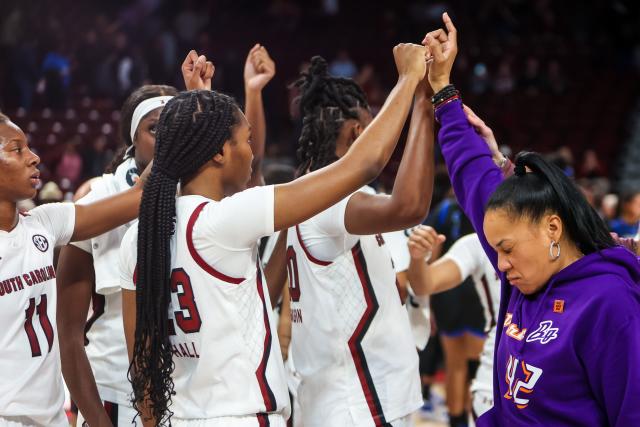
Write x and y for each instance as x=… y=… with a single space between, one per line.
x=545 y=333
x=512 y=329
x=558 y=306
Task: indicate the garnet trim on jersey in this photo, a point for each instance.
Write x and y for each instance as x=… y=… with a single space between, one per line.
x=306 y=251
x=112 y=411
x=98 y=303
x=196 y=256
x=263 y=420
x=485 y=287
x=355 y=342
x=261 y=372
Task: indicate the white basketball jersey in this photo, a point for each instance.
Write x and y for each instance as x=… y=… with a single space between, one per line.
x=225 y=345
x=351 y=339
x=105 y=343
x=31 y=384
x=468 y=255
x=418 y=308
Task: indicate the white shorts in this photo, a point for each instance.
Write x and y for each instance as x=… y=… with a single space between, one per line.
x=481 y=402
x=21 y=421
x=120 y=415
x=405 y=421
x=272 y=420
x=402 y=422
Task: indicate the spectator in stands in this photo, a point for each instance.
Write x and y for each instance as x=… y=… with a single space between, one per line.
x=56 y=69
x=70 y=164
x=628 y=219
x=188 y=24
x=504 y=81
x=23 y=65
x=343 y=66
x=88 y=57
x=609 y=207
x=50 y=193
x=555 y=81
x=591 y=167
x=97 y=157
x=480 y=80
x=531 y=81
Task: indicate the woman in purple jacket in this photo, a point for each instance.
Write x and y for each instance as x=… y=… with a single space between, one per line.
x=568 y=338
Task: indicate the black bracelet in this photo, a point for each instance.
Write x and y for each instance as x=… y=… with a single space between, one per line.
x=444 y=94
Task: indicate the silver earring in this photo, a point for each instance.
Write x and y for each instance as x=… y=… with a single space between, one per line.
x=551 y=254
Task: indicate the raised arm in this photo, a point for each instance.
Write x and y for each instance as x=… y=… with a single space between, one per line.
x=474 y=175
x=197 y=72
x=485 y=132
x=314 y=192
x=259 y=69
x=409 y=201
x=75 y=281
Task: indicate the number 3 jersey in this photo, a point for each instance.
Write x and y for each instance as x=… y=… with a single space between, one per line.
x=351 y=339
x=31 y=379
x=225 y=347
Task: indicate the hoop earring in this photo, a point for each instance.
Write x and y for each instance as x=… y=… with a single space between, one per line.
x=551 y=254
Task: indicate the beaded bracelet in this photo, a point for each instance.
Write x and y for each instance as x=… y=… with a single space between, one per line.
x=445 y=102
x=444 y=94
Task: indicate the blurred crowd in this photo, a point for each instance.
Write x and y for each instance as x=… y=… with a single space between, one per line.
x=557 y=77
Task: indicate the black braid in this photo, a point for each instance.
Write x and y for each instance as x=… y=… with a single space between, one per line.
x=126 y=115
x=192 y=129
x=326 y=103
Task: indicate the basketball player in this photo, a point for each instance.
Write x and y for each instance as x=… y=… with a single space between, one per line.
x=351 y=339
x=567 y=342
x=107 y=348
x=197 y=319
x=93 y=350
x=31 y=390
x=464 y=259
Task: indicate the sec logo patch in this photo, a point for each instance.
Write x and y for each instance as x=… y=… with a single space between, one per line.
x=41 y=243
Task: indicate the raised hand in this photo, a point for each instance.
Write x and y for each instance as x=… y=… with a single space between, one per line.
x=424 y=90
x=259 y=68
x=197 y=72
x=443 y=47
x=628 y=242
x=410 y=60
x=423 y=240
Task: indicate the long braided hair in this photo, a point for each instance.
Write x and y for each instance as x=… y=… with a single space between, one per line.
x=192 y=129
x=127 y=150
x=326 y=102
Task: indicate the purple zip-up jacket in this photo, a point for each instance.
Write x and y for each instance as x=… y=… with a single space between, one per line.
x=570 y=354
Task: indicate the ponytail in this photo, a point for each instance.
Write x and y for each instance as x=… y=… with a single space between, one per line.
x=326 y=103
x=538 y=188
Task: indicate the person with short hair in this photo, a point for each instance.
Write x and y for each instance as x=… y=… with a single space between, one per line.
x=31 y=390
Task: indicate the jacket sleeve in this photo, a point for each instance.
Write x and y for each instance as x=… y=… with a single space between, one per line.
x=473 y=174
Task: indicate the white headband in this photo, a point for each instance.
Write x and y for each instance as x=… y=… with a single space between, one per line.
x=144 y=108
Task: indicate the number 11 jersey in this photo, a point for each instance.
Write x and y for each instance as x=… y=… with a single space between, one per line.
x=31 y=382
